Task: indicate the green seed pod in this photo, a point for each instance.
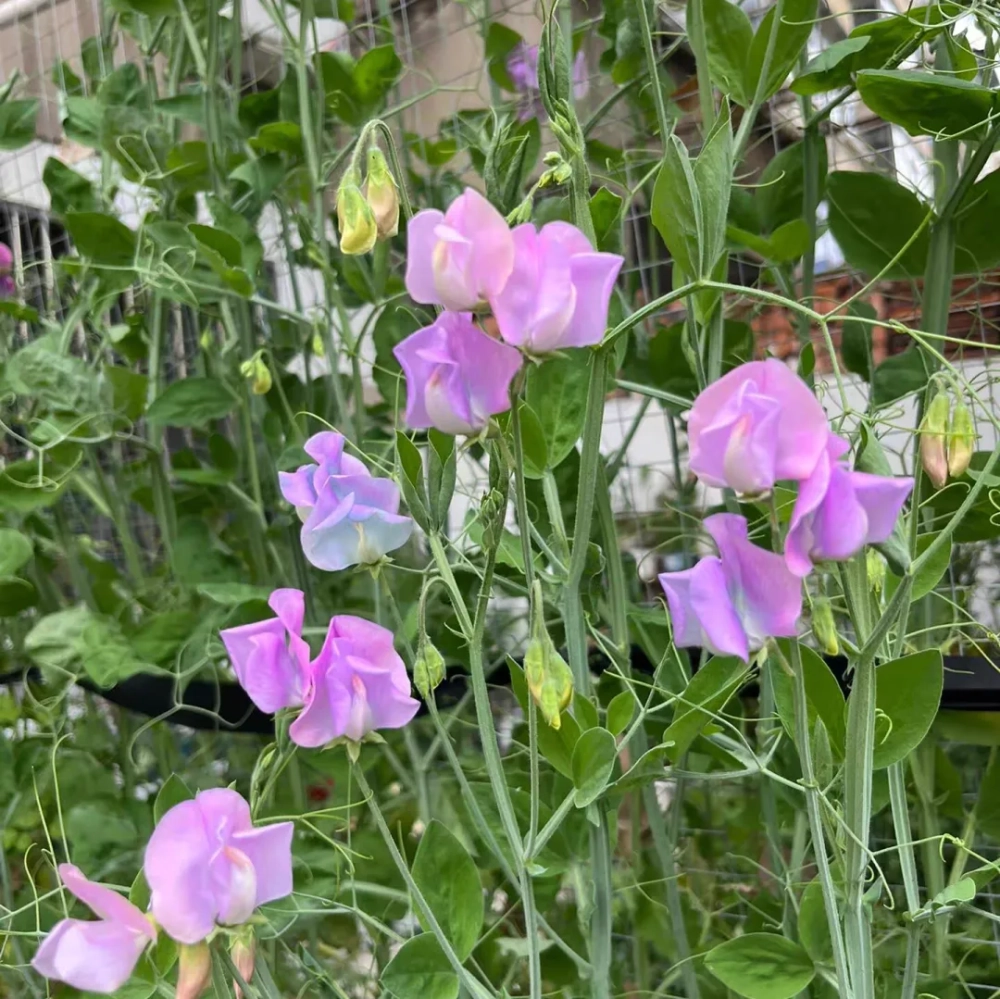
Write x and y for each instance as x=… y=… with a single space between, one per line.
x=549 y=679
x=961 y=440
x=382 y=194
x=933 y=440
x=823 y=626
x=428 y=669
x=355 y=218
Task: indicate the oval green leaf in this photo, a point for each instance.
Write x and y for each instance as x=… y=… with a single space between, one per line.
x=761 y=966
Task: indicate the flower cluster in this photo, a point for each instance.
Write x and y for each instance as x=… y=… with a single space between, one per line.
x=548 y=289
x=357 y=683
x=756 y=426
x=522 y=68
x=207 y=866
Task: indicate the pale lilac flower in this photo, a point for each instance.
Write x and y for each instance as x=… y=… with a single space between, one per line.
x=757 y=424
x=359 y=684
x=731 y=604
x=7 y=286
x=457 y=377
x=838 y=511
x=459 y=259
x=270 y=658
x=522 y=68
x=94 y=955
x=349 y=517
x=558 y=293
x=206 y=865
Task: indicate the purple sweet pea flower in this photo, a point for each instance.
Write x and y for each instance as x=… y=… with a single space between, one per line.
x=838 y=511
x=558 y=293
x=755 y=425
x=461 y=258
x=7 y=286
x=457 y=377
x=270 y=658
x=207 y=865
x=359 y=684
x=348 y=516
x=94 y=955
x=522 y=68
x=732 y=603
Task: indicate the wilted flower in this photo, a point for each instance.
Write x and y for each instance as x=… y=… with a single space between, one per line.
x=461 y=258
x=348 y=516
x=757 y=424
x=381 y=194
x=207 y=865
x=522 y=67
x=933 y=439
x=358 y=684
x=270 y=658
x=838 y=511
x=961 y=440
x=355 y=218
x=457 y=377
x=7 y=286
x=558 y=293
x=733 y=603
x=94 y=955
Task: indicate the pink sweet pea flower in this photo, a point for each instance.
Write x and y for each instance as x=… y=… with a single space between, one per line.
x=7 y=287
x=359 y=684
x=522 y=67
x=732 y=603
x=270 y=658
x=838 y=511
x=206 y=865
x=94 y=955
x=459 y=259
x=558 y=293
x=757 y=424
x=349 y=517
x=457 y=377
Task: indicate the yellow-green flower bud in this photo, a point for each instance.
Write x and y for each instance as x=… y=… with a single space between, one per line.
x=257 y=373
x=381 y=194
x=933 y=439
x=194 y=971
x=875 y=567
x=549 y=679
x=317 y=345
x=428 y=669
x=961 y=440
x=355 y=218
x=242 y=955
x=823 y=626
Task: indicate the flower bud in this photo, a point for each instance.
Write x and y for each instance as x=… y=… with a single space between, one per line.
x=317 y=345
x=549 y=679
x=875 y=568
x=961 y=440
x=492 y=511
x=257 y=373
x=933 y=438
x=242 y=954
x=381 y=194
x=428 y=669
x=823 y=626
x=194 y=971
x=355 y=218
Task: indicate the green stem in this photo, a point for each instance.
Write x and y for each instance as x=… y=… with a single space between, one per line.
x=699 y=46
x=652 y=68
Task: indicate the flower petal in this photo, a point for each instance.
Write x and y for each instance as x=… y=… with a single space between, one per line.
x=882 y=498
x=420 y=242
x=593 y=276
x=105 y=902
x=270 y=851
x=93 y=956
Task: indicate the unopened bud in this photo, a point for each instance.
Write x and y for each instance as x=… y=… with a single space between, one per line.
x=381 y=194
x=961 y=440
x=257 y=373
x=549 y=679
x=194 y=971
x=823 y=626
x=492 y=511
x=243 y=956
x=428 y=669
x=317 y=346
x=933 y=438
x=355 y=218
x=875 y=567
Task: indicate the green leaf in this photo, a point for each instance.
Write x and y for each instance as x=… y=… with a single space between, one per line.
x=728 y=38
x=557 y=392
x=782 y=185
x=233 y=594
x=977 y=236
x=621 y=711
x=128 y=390
x=16 y=595
x=68 y=190
x=593 y=764
x=930 y=573
x=449 y=881
x=761 y=966
x=926 y=103
x=15 y=550
x=102 y=238
x=713 y=173
x=411 y=479
x=908 y=693
x=605 y=210
x=705 y=695
x=24 y=487
x=988 y=799
x=420 y=971
x=375 y=73
x=793 y=30
x=960 y=892
x=173 y=792
x=192 y=402
x=824 y=698
x=898 y=375
x=442 y=458
x=813 y=78
x=17 y=123
x=556 y=745
x=814 y=927
x=227 y=246
x=856 y=340
x=676 y=207
x=873 y=218
x=500 y=42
